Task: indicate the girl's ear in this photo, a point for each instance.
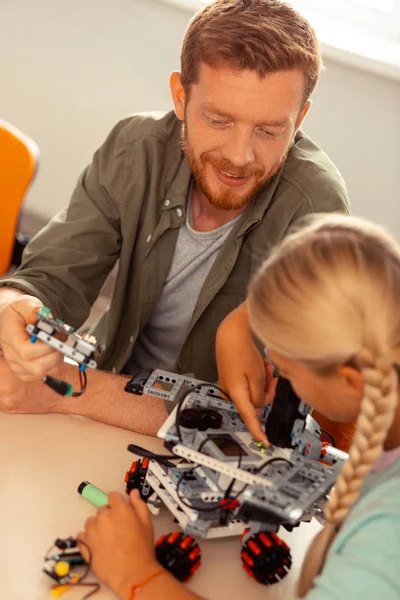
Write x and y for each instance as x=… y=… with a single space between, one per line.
x=353 y=381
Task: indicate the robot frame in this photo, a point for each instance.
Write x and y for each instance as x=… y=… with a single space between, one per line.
x=227 y=484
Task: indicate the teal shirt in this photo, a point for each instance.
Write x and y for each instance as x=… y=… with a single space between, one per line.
x=363 y=562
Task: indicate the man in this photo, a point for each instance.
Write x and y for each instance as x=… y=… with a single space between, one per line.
x=189 y=203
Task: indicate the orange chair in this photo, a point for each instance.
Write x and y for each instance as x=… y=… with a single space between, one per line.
x=19 y=157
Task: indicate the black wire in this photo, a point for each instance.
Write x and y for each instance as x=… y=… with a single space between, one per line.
x=212 y=508
x=330 y=436
x=198 y=386
x=78 y=583
x=246 y=485
x=162 y=458
x=215 y=506
x=96 y=589
x=83 y=388
x=272 y=460
x=218 y=506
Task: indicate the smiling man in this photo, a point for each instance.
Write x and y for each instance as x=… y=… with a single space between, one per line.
x=190 y=202
x=241 y=128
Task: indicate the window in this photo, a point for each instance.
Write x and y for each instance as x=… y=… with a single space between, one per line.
x=380 y=17
x=385 y=6
x=381 y=5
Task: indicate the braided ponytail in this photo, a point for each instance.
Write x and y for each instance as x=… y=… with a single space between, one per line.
x=376 y=416
x=314 y=301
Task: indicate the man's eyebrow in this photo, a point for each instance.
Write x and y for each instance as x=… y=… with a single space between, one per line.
x=216 y=111
x=269 y=123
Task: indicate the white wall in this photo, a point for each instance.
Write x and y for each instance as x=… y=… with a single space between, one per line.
x=70 y=69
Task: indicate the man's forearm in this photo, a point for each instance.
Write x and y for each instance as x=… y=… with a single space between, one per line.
x=105 y=400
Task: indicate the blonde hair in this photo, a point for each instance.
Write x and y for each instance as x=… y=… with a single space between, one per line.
x=329 y=296
x=264 y=36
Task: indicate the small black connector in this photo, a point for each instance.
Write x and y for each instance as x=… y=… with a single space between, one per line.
x=63 y=544
x=58 y=385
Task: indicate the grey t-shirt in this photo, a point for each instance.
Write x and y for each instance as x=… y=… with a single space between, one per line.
x=160 y=341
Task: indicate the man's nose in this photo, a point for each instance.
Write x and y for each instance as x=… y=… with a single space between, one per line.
x=238 y=148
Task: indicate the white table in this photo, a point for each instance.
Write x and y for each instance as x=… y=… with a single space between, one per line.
x=43 y=458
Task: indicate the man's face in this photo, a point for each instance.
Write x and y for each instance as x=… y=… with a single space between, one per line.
x=238 y=129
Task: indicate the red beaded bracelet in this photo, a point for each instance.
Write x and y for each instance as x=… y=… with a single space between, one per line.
x=137 y=586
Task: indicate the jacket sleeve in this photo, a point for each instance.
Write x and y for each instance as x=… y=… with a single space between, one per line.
x=67 y=262
x=330 y=200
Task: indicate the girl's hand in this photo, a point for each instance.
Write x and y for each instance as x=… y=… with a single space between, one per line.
x=242 y=372
x=120 y=538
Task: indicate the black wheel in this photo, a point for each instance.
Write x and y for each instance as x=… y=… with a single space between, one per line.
x=179 y=554
x=266 y=558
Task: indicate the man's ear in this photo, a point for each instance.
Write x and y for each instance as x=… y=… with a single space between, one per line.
x=302 y=114
x=178 y=94
x=353 y=381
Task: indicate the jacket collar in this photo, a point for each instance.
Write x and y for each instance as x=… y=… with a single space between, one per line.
x=177 y=194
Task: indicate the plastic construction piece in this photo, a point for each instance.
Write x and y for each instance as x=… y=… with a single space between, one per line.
x=59 y=590
x=135 y=478
x=80 y=347
x=227 y=483
x=286 y=416
x=266 y=558
x=92 y=494
x=63 y=563
x=179 y=554
x=58 y=385
x=200 y=418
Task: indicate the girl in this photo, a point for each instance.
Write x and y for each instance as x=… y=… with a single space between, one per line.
x=326 y=306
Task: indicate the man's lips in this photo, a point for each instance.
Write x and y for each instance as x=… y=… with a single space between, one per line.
x=227 y=178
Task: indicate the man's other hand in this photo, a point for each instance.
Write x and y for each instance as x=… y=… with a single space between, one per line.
x=18 y=396
x=30 y=362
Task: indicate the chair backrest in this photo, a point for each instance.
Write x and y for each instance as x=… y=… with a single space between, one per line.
x=19 y=157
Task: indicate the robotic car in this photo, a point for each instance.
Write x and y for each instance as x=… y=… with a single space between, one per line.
x=226 y=483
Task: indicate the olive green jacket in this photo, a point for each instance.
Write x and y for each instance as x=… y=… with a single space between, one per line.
x=128 y=205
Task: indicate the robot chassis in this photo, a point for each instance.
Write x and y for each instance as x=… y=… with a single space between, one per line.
x=225 y=483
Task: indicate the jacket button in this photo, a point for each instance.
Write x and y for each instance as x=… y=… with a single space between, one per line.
x=148 y=238
x=167 y=202
x=179 y=212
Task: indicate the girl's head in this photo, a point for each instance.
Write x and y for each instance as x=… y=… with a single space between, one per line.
x=326 y=306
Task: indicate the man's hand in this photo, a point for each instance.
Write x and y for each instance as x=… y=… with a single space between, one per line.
x=17 y=396
x=120 y=538
x=30 y=362
x=242 y=372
